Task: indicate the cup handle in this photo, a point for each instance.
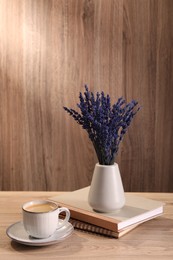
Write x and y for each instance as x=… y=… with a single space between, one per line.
x=67 y=216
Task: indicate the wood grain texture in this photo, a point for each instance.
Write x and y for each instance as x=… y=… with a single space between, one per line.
x=48 y=50
x=151 y=240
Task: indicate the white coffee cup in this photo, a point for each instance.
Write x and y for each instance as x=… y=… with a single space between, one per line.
x=41 y=218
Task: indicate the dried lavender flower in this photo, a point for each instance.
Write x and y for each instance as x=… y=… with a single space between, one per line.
x=106 y=125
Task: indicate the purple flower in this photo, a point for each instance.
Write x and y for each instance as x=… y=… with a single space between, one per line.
x=106 y=125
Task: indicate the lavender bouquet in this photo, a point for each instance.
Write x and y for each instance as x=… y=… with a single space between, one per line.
x=106 y=125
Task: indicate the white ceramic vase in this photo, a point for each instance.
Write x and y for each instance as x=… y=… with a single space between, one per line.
x=106 y=193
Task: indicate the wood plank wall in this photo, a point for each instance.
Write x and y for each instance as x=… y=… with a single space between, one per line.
x=48 y=50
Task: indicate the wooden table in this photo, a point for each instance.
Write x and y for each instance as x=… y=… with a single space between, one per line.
x=151 y=240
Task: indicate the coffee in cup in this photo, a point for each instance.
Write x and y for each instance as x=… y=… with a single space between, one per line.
x=41 y=218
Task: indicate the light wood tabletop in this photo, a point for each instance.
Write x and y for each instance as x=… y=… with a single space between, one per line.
x=150 y=240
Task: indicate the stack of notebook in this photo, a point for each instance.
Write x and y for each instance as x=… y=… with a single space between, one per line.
x=137 y=210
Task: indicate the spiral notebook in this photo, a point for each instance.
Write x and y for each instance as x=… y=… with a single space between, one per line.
x=86 y=227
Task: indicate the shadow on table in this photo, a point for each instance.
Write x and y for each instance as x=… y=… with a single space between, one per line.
x=68 y=247
x=160 y=228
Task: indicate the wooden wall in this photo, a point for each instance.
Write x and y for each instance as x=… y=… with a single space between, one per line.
x=48 y=50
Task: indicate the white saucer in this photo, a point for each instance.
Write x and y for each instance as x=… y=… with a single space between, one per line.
x=17 y=233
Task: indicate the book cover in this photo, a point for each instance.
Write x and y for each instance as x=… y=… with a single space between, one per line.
x=137 y=209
